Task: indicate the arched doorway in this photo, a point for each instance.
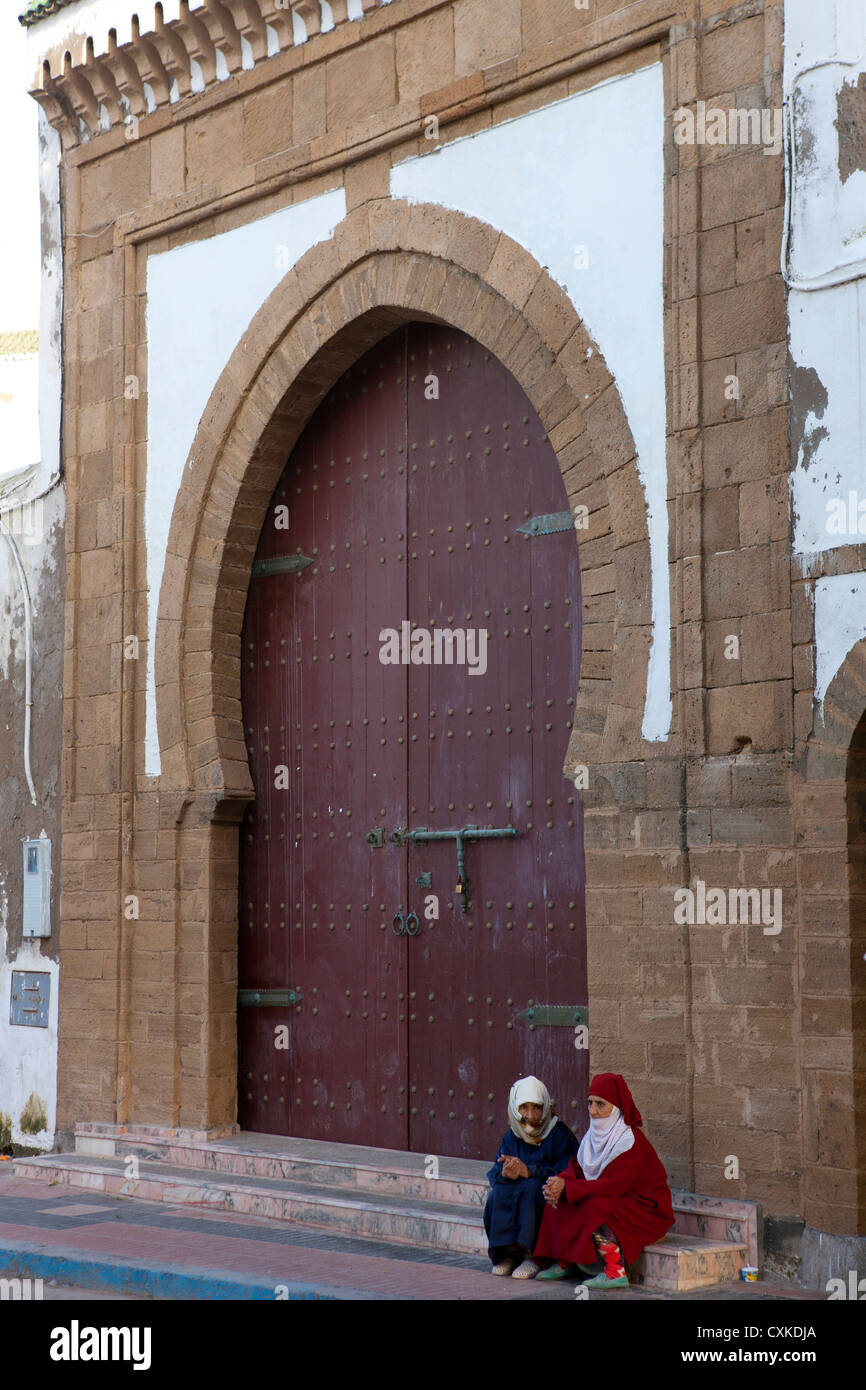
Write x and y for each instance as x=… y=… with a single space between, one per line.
x=856 y=816
x=410 y=658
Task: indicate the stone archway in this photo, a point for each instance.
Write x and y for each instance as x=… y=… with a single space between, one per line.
x=387 y=263
x=831 y=828
x=856 y=818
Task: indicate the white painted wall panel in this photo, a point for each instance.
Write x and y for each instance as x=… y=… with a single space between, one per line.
x=28 y=1056
x=584 y=172
x=825 y=45
x=200 y=299
x=840 y=614
x=588 y=171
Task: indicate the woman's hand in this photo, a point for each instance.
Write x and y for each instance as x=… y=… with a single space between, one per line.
x=553 y=1190
x=513 y=1167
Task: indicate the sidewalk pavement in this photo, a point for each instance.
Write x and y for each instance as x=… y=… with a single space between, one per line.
x=125 y=1246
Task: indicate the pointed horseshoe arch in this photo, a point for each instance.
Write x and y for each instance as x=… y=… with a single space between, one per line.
x=387 y=263
x=832 y=830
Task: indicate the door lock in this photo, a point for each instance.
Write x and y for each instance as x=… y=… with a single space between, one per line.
x=468 y=832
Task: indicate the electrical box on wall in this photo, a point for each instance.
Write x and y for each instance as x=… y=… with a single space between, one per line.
x=31 y=996
x=37 y=887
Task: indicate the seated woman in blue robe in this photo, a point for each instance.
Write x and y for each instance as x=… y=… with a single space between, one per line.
x=535 y=1146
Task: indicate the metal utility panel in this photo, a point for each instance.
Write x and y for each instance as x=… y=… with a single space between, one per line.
x=31 y=993
x=37 y=888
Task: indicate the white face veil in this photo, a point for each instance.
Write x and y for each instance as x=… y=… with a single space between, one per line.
x=530 y=1091
x=604 y=1141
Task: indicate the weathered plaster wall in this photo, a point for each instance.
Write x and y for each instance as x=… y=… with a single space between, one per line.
x=187 y=352
x=35 y=518
x=704 y=1022
x=50 y=306
x=598 y=155
x=825 y=258
x=28 y=1056
x=824 y=261
x=597 y=158
x=840 y=618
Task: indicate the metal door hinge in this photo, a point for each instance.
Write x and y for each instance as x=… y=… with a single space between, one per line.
x=546 y=524
x=555 y=1015
x=268 y=998
x=281 y=564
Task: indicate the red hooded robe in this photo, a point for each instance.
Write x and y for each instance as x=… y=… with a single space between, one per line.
x=631 y=1195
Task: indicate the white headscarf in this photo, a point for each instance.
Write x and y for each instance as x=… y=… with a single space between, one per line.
x=604 y=1141
x=530 y=1091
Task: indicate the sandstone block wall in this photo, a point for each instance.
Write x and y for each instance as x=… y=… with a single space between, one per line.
x=736 y=1042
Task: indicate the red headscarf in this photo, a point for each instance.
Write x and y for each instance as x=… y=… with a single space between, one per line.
x=613 y=1088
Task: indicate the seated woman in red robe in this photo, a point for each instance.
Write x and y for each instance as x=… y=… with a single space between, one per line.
x=612 y=1199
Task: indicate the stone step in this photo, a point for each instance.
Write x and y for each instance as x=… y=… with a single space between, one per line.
x=680 y=1263
x=329 y=1187
x=397 y=1219
x=390 y=1171
x=724 y=1220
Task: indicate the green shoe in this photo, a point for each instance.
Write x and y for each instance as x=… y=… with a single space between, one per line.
x=554 y=1272
x=601 y=1281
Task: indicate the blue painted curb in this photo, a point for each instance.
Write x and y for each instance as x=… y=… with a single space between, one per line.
x=166 y=1281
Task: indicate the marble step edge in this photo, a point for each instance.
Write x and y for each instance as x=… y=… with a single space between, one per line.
x=665 y=1264
x=159 y=1132
x=332 y=1172
x=740 y=1219
x=716 y=1221
x=371 y=1169
x=159 y=1170
x=699 y=1265
x=83 y=1170
x=273 y=1198
x=192 y=1148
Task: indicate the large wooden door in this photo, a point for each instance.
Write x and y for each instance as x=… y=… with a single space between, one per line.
x=403 y=504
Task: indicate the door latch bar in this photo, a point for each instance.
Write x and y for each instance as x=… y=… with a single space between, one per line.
x=468 y=832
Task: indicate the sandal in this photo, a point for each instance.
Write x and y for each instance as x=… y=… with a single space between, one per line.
x=602 y=1281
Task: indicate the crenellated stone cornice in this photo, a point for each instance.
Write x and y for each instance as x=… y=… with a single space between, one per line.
x=101 y=64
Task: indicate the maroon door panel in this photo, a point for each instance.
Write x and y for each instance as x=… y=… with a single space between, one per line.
x=493 y=751
x=406 y=492
x=315 y=904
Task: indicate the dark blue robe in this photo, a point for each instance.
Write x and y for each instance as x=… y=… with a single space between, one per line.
x=514 y=1207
